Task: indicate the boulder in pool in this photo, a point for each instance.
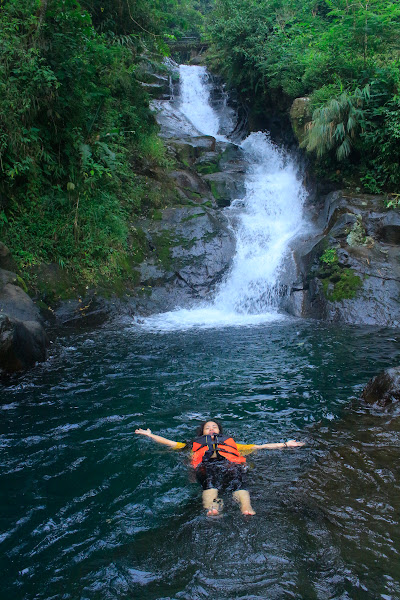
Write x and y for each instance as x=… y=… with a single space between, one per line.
x=23 y=340
x=384 y=389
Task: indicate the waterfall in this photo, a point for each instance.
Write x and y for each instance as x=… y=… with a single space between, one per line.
x=195 y=100
x=265 y=220
x=195 y=103
x=268 y=217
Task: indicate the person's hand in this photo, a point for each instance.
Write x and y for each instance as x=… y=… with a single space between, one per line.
x=294 y=444
x=143 y=431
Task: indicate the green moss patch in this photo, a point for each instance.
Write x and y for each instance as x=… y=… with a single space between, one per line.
x=342 y=286
x=207 y=167
x=163 y=244
x=337 y=283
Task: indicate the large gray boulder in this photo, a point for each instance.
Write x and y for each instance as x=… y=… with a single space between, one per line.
x=22 y=343
x=23 y=340
x=189 y=250
x=14 y=301
x=383 y=389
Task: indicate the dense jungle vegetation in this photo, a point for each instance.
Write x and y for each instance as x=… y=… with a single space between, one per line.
x=76 y=133
x=343 y=54
x=78 y=140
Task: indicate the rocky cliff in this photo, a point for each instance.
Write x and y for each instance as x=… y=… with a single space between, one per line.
x=349 y=271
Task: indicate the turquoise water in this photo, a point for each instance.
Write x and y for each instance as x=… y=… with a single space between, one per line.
x=90 y=510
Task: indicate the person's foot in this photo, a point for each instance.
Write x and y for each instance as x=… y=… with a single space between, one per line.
x=212 y=512
x=242 y=497
x=216 y=508
x=248 y=511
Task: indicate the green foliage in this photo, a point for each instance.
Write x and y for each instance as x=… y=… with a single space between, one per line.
x=329 y=256
x=345 y=56
x=76 y=131
x=393 y=201
x=335 y=125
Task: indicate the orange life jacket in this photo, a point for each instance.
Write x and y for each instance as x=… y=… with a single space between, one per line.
x=205 y=446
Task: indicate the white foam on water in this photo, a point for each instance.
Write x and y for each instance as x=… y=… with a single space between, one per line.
x=269 y=216
x=205 y=317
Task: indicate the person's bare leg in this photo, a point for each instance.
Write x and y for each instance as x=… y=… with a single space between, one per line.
x=243 y=498
x=211 y=502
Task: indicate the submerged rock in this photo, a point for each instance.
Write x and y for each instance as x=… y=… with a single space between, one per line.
x=383 y=389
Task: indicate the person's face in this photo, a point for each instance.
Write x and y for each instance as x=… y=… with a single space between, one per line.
x=210 y=428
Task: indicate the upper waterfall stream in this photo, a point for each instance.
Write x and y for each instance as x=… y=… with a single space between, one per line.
x=264 y=221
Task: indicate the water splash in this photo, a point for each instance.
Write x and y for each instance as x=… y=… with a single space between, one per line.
x=268 y=217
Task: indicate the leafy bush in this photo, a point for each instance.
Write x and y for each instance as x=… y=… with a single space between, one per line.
x=76 y=132
x=336 y=124
x=345 y=56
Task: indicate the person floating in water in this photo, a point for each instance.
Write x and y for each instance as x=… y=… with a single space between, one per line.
x=219 y=464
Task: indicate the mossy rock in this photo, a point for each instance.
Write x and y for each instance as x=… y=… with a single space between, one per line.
x=207 y=168
x=343 y=284
x=208 y=163
x=163 y=244
x=300 y=115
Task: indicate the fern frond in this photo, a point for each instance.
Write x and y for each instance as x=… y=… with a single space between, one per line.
x=344 y=149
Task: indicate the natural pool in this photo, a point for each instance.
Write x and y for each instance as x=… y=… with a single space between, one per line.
x=91 y=511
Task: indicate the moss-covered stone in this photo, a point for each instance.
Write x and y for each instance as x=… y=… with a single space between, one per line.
x=338 y=283
x=22 y=284
x=342 y=284
x=207 y=168
x=138 y=245
x=215 y=192
x=208 y=163
x=300 y=115
x=156 y=215
x=163 y=244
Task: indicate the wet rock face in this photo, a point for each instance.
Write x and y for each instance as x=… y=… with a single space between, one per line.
x=190 y=249
x=384 y=389
x=22 y=343
x=351 y=270
x=23 y=340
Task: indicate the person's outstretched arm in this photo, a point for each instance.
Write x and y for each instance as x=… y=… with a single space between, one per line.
x=288 y=444
x=159 y=439
x=247 y=448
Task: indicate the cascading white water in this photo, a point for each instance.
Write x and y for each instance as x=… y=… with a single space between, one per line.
x=195 y=101
x=270 y=217
x=265 y=220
